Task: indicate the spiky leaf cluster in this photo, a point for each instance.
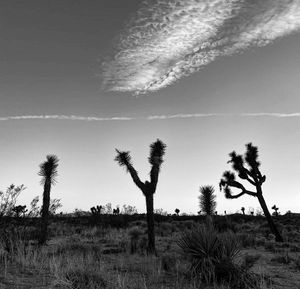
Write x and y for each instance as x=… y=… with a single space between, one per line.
x=251 y=157
x=207 y=200
x=157 y=151
x=48 y=169
x=123 y=158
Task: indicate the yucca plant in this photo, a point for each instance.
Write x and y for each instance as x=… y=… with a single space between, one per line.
x=48 y=172
x=207 y=200
x=157 y=151
x=209 y=251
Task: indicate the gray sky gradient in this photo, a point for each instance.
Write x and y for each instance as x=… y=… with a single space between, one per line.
x=52 y=101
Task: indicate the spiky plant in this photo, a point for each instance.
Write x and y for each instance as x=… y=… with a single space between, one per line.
x=157 y=151
x=247 y=167
x=207 y=200
x=48 y=172
x=209 y=250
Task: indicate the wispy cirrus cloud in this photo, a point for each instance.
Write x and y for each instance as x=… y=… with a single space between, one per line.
x=167 y=40
x=149 y=118
x=63 y=117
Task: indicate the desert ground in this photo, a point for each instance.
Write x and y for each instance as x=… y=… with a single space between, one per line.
x=110 y=251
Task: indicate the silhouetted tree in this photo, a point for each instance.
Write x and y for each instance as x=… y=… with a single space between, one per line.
x=207 y=200
x=252 y=174
x=275 y=210
x=96 y=211
x=116 y=211
x=48 y=172
x=157 y=151
x=177 y=211
x=243 y=210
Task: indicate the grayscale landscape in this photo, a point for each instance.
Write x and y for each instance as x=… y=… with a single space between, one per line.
x=149 y=144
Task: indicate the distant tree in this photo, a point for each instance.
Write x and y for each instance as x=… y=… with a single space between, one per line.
x=252 y=213
x=107 y=209
x=19 y=210
x=199 y=212
x=9 y=198
x=177 y=211
x=157 y=151
x=275 y=210
x=243 y=210
x=129 y=210
x=160 y=211
x=48 y=172
x=207 y=200
x=247 y=167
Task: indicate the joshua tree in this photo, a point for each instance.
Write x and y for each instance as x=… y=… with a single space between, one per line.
x=243 y=210
x=177 y=211
x=48 y=172
x=247 y=167
x=207 y=200
x=96 y=211
x=157 y=151
x=275 y=210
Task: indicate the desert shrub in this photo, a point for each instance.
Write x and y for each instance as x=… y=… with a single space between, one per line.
x=294 y=248
x=134 y=234
x=79 y=279
x=270 y=246
x=282 y=258
x=164 y=229
x=223 y=224
x=297 y=263
x=260 y=241
x=246 y=240
x=250 y=260
x=168 y=262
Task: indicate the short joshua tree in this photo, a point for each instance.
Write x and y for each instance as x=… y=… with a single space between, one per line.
x=177 y=211
x=247 y=167
x=48 y=172
x=157 y=151
x=243 y=210
x=275 y=211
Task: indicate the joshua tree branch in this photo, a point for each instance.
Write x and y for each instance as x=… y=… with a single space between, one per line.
x=136 y=178
x=238 y=185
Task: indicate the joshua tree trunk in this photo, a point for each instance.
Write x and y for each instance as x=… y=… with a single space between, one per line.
x=150 y=223
x=268 y=216
x=45 y=212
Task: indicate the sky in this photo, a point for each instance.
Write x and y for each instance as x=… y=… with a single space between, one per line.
x=81 y=78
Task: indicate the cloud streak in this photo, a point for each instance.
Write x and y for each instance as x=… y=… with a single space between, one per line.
x=171 y=39
x=148 y=118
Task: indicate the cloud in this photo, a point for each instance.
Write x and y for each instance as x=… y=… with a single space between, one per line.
x=64 y=117
x=151 y=117
x=170 y=39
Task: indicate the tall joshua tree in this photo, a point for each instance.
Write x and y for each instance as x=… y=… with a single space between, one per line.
x=247 y=167
x=48 y=172
x=207 y=200
x=157 y=151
